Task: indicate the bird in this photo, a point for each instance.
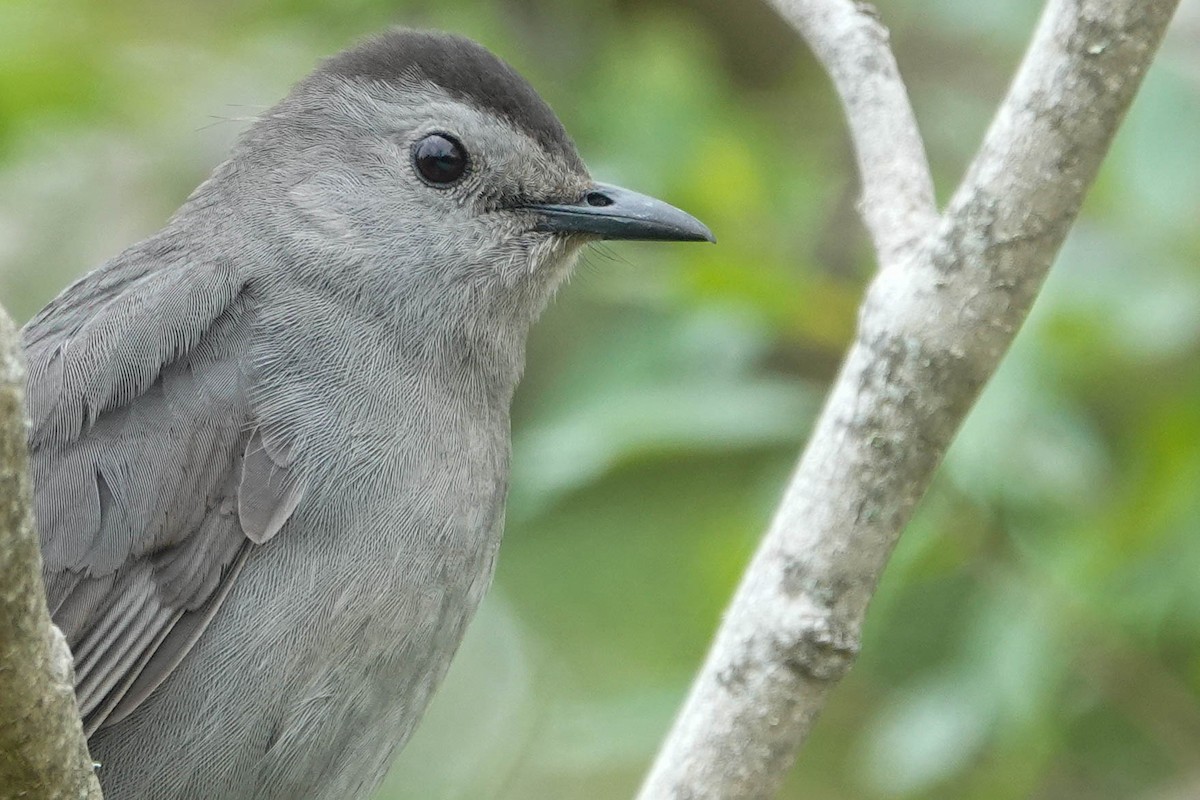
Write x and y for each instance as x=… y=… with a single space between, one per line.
x=270 y=443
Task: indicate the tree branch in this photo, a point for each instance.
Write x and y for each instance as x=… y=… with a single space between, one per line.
x=897 y=190
x=933 y=327
x=43 y=753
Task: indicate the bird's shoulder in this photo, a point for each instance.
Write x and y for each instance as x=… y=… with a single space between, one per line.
x=151 y=479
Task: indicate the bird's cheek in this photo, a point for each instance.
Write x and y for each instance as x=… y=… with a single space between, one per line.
x=312 y=198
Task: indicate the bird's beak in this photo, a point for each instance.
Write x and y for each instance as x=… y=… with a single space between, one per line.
x=611 y=212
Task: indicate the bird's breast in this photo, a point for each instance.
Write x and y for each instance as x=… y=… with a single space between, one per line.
x=385 y=564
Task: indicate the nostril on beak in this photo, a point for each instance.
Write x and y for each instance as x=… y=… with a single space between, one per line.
x=597 y=199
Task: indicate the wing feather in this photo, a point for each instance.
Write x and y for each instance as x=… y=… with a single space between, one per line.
x=268 y=492
x=142 y=444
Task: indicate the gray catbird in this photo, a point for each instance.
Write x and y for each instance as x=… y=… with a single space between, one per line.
x=270 y=443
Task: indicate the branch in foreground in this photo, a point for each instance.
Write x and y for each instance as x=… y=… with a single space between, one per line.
x=43 y=753
x=932 y=331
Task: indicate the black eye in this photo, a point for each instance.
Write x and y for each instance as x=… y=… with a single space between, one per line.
x=440 y=159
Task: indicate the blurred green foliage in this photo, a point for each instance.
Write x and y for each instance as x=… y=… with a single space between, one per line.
x=1038 y=632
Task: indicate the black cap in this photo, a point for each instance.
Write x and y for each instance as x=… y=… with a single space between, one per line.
x=463 y=69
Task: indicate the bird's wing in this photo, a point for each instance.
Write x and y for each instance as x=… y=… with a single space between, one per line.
x=151 y=481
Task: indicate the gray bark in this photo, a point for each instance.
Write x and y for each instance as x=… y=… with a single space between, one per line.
x=43 y=753
x=951 y=293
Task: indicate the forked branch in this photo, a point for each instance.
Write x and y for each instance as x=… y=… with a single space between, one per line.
x=948 y=300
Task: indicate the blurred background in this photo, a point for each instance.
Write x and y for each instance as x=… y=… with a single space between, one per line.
x=1037 y=634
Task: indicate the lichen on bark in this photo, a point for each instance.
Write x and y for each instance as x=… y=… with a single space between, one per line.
x=43 y=752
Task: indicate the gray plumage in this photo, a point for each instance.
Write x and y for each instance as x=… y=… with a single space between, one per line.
x=270 y=443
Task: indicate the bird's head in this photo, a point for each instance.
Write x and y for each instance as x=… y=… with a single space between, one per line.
x=426 y=152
